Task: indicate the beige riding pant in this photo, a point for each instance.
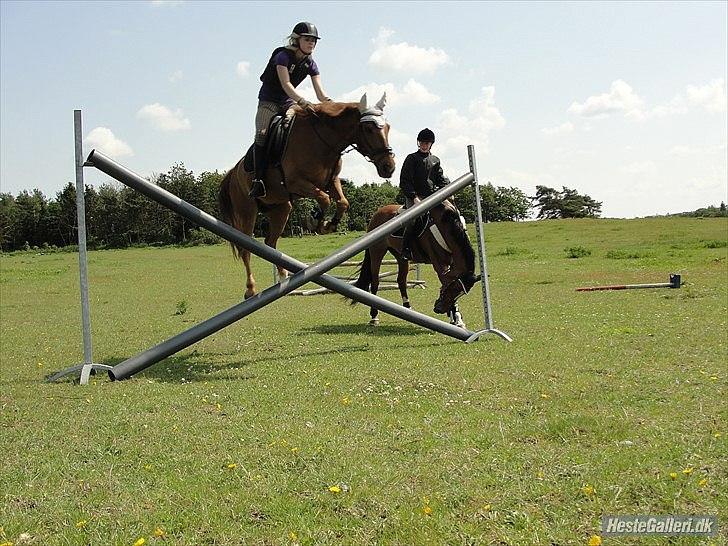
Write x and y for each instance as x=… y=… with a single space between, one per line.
x=266 y=111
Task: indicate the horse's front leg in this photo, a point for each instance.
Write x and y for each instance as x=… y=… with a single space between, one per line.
x=277 y=218
x=342 y=205
x=455 y=316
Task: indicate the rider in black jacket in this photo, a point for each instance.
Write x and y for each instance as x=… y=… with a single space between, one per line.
x=420 y=177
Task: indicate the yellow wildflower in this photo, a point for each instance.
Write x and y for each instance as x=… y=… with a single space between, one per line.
x=544 y=395
x=588 y=490
x=8 y=543
x=293 y=536
x=218 y=406
x=335 y=489
x=81 y=524
x=427 y=510
x=673 y=475
x=595 y=540
x=232 y=466
x=140 y=542
x=688 y=470
x=703 y=482
x=159 y=533
x=294 y=450
x=345 y=401
x=486 y=508
x=717 y=435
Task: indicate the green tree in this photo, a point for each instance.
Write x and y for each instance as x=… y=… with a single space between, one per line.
x=566 y=203
x=8 y=222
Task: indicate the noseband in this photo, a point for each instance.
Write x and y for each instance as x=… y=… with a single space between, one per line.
x=377 y=118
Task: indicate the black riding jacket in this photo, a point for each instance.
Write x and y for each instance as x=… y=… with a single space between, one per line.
x=421 y=175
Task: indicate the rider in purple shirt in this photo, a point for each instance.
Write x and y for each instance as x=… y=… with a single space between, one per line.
x=287 y=68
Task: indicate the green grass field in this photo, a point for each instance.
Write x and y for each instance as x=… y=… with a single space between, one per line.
x=301 y=424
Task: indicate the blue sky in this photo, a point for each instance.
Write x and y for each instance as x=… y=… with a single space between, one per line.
x=623 y=101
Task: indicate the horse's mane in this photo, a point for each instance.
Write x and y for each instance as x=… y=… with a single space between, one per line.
x=451 y=218
x=329 y=109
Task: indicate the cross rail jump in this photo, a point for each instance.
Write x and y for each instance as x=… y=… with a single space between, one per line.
x=302 y=273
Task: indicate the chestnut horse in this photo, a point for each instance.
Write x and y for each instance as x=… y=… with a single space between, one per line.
x=309 y=168
x=454 y=265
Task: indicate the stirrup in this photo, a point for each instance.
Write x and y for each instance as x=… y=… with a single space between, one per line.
x=257 y=189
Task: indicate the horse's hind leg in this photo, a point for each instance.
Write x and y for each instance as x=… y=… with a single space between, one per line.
x=277 y=216
x=402 y=272
x=376 y=255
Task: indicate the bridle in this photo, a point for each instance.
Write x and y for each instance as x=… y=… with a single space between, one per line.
x=357 y=139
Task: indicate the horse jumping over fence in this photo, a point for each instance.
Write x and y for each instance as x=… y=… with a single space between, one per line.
x=309 y=168
x=454 y=262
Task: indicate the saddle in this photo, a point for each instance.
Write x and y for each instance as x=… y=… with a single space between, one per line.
x=276 y=142
x=427 y=222
x=417 y=227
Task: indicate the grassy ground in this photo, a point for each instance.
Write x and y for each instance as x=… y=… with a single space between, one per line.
x=301 y=424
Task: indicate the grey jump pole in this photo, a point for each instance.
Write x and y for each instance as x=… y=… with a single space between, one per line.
x=485 y=285
x=88 y=363
x=303 y=274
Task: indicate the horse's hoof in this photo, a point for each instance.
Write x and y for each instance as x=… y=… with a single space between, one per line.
x=407 y=304
x=458 y=323
x=249 y=295
x=374 y=322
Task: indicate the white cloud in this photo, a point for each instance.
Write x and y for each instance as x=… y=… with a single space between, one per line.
x=403 y=57
x=682 y=150
x=166 y=3
x=411 y=93
x=640 y=168
x=243 y=69
x=455 y=130
x=711 y=96
x=176 y=76
x=163 y=118
x=564 y=128
x=102 y=139
x=620 y=99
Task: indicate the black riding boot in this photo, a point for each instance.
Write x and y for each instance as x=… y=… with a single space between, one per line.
x=257 y=188
x=407 y=245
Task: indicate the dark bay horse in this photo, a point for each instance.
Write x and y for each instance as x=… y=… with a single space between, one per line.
x=452 y=257
x=309 y=168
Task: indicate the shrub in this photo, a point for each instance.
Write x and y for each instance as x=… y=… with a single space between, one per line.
x=715 y=243
x=201 y=236
x=181 y=308
x=577 y=252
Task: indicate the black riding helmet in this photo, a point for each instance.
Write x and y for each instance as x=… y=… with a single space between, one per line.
x=306 y=29
x=426 y=135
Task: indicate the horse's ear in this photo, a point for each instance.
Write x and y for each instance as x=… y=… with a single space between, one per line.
x=363 y=103
x=382 y=102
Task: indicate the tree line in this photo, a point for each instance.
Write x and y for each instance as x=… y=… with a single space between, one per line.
x=118 y=217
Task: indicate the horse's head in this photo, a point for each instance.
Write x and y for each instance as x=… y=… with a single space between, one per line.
x=452 y=292
x=372 y=136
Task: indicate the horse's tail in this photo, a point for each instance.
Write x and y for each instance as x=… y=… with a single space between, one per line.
x=227 y=210
x=364 y=282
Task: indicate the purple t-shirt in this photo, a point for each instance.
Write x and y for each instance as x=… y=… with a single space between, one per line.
x=272 y=90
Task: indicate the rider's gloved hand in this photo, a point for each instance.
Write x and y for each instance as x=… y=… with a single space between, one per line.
x=306 y=105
